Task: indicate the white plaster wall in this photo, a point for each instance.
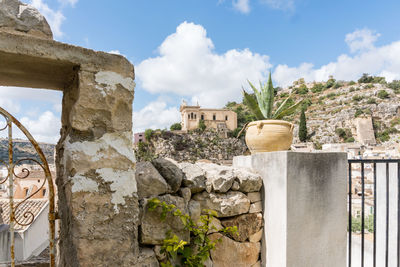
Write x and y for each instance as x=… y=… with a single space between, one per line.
x=35 y=238
x=4 y=244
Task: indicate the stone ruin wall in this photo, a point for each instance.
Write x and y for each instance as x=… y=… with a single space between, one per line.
x=234 y=193
x=194 y=146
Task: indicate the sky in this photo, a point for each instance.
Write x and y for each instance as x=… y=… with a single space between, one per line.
x=205 y=51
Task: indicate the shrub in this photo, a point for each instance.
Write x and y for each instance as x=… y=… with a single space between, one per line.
x=331 y=82
x=236 y=132
x=176 y=126
x=284 y=95
x=382 y=94
x=337 y=85
x=302 y=90
x=367 y=111
x=331 y=95
x=179 y=250
x=395 y=121
x=317 y=145
x=358 y=112
x=369 y=86
x=371 y=100
x=383 y=136
x=365 y=78
x=144 y=152
x=231 y=104
x=318 y=87
x=352 y=89
x=378 y=79
x=368 y=224
x=344 y=134
x=148 y=133
x=395 y=85
x=357 y=98
x=202 y=126
x=349 y=140
x=352 y=83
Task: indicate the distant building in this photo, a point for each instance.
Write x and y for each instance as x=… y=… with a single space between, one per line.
x=30 y=240
x=139 y=138
x=213 y=118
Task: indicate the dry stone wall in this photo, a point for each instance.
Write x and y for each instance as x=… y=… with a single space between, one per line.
x=194 y=145
x=234 y=193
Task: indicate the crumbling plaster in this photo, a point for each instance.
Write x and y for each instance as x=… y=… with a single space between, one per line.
x=97 y=194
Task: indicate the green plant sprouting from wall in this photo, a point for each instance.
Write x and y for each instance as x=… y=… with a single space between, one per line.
x=181 y=253
x=263 y=106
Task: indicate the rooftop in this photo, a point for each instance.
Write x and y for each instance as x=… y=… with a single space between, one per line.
x=35 y=206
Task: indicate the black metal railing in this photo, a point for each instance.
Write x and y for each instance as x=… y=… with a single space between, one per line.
x=388 y=180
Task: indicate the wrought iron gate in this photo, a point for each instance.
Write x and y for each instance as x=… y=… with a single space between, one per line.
x=374 y=208
x=11 y=178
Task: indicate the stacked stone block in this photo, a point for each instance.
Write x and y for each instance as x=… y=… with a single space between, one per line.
x=234 y=193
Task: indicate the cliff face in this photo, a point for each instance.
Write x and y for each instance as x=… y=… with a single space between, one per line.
x=191 y=146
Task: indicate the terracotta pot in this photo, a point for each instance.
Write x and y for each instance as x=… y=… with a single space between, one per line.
x=269 y=135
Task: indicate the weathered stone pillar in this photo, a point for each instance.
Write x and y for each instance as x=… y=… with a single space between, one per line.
x=304 y=203
x=97 y=196
x=96 y=165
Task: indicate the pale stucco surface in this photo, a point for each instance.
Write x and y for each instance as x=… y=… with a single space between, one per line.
x=305 y=214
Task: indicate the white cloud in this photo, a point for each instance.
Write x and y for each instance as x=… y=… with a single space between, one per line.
x=115 y=52
x=68 y=2
x=54 y=18
x=361 y=40
x=10 y=106
x=188 y=66
x=46 y=128
x=383 y=61
x=155 y=115
x=31 y=103
x=242 y=5
x=287 y=5
x=32 y=94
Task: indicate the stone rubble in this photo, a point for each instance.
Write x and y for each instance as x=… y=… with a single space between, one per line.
x=231 y=193
x=18 y=17
x=149 y=181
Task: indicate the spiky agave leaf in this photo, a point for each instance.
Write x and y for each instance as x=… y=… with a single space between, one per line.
x=281 y=107
x=260 y=95
x=271 y=95
x=253 y=105
x=287 y=111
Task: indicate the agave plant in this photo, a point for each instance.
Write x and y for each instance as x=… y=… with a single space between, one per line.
x=262 y=108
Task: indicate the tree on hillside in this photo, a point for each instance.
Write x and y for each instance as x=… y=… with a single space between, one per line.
x=176 y=126
x=303 y=126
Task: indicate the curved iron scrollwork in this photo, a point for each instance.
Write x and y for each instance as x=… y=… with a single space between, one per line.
x=12 y=176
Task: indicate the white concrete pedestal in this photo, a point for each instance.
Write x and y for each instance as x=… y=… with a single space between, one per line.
x=304 y=203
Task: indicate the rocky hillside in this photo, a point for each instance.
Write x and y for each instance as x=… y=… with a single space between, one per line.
x=24 y=149
x=332 y=110
x=332 y=107
x=190 y=146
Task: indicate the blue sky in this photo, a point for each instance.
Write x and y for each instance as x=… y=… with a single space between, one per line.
x=205 y=50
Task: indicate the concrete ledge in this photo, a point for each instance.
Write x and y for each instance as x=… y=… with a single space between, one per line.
x=304 y=203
